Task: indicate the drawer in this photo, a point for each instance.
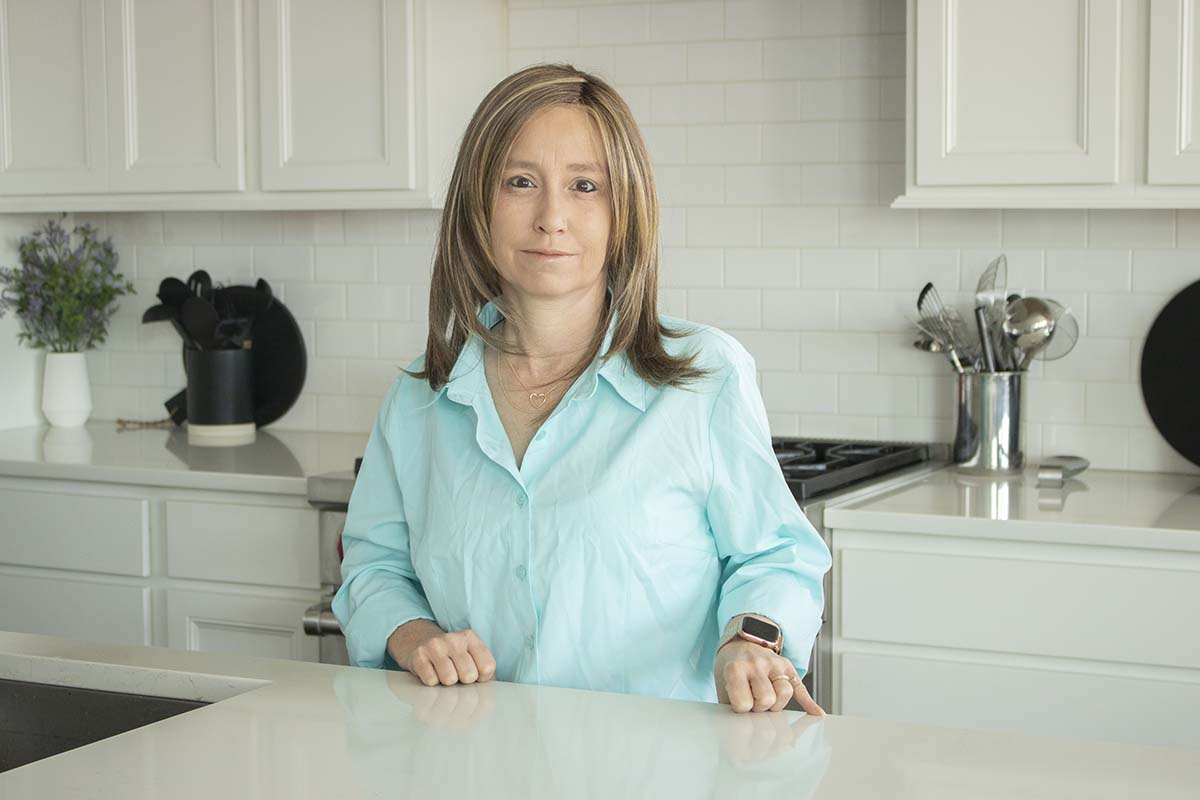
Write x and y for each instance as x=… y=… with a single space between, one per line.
x=92 y=533
x=74 y=609
x=241 y=624
x=1103 y=612
x=242 y=543
x=1017 y=699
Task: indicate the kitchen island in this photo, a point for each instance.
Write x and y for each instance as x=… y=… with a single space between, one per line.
x=279 y=728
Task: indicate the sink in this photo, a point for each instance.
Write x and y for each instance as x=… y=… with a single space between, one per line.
x=38 y=720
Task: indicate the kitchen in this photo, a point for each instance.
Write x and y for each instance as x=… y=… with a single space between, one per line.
x=808 y=198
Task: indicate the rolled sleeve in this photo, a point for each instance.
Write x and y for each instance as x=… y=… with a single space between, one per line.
x=773 y=558
x=380 y=590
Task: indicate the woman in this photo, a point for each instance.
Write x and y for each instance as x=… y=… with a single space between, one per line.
x=568 y=488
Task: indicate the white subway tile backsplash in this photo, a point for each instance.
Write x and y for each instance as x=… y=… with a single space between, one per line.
x=839 y=269
x=1043 y=228
x=762 y=268
x=1098 y=270
x=726 y=308
x=723 y=144
x=614 y=24
x=652 y=63
x=810 y=57
x=1165 y=271
x=1126 y=227
x=799 y=142
x=687 y=22
x=799 y=310
x=795 y=226
x=777 y=133
x=725 y=61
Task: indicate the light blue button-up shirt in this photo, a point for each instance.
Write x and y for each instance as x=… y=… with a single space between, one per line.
x=640 y=521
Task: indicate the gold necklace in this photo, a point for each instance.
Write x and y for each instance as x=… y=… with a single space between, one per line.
x=536 y=399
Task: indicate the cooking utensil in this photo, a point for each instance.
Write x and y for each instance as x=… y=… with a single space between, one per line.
x=200 y=320
x=1028 y=325
x=989 y=293
x=1054 y=471
x=1170 y=372
x=1066 y=333
x=946 y=326
x=929 y=345
x=200 y=285
x=172 y=292
x=985 y=338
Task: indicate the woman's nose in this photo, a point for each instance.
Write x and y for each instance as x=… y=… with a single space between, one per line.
x=551 y=217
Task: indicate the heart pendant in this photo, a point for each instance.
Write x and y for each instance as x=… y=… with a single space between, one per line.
x=537 y=399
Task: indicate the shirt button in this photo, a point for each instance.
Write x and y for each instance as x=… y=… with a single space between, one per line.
x=521 y=572
x=521 y=499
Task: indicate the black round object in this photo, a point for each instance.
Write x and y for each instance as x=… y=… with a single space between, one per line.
x=219 y=386
x=279 y=355
x=1171 y=372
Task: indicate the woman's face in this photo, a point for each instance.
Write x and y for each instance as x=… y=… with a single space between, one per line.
x=554 y=195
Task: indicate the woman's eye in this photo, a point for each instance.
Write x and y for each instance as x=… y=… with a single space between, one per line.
x=511 y=181
x=589 y=183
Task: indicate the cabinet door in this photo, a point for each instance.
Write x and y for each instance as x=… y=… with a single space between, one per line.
x=1019 y=92
x=75 y=609
x=175 y=95
x=242 y=624
x=1173 y=154
x=52 y=114
x=336 y=94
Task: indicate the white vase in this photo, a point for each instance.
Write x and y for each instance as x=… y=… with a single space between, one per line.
x=66 y=395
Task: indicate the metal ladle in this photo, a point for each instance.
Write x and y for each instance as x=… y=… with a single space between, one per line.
x=1028 y=324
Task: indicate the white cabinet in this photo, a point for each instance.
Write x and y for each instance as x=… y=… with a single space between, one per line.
x=1051 y=104
x=1037 y=638
x=1173 y=152
x=52 y=109
x=126 y=105
x=1019 y=92
x=143 y=564
x=241 y=624
x=174 y=95
x=336 y=94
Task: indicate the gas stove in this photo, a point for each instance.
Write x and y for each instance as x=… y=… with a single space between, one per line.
x=813 y=467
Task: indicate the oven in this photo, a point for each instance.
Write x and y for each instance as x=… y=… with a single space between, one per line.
x=818 y=472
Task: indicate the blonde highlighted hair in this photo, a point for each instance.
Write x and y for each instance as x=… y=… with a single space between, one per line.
x=464 y=271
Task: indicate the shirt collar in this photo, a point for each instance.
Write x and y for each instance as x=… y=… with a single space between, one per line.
x=467 y=379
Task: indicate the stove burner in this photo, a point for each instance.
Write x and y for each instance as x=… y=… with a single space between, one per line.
x=815 y=466
x=855 y=450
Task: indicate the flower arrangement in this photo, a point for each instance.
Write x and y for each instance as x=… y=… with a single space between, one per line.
x=63 y=293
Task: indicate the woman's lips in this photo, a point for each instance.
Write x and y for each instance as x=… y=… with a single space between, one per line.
x=544 y=256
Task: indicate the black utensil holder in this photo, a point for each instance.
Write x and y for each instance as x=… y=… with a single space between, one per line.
x=220 y=386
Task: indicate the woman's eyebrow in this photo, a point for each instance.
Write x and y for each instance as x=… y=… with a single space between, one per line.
x=585 y=166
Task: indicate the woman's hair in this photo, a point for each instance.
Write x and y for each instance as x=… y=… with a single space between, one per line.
x=464 y=272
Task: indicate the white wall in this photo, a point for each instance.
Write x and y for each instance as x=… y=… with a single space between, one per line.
x=777 y=134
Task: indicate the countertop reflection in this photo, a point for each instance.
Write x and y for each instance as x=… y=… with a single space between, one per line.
x=278 y=461
x=297 y=730
x=1154 y=509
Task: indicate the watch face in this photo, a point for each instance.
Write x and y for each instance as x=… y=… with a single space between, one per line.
x=763 y=630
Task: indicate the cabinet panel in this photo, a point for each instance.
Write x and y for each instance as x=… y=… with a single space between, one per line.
x=996 y=697
x=1051 y=608
x=52 y=114
x=90 y=533
x=1173 y=153
x=336 y=94
x=266 y=545
x=246 y=625
x=175 y=83
x=1020 y=92
x=54 y=606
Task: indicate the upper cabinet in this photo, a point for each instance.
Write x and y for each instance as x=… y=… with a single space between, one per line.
x=239 y=104
x=1051 y=104
x=336 y=94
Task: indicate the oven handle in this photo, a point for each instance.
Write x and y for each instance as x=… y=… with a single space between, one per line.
x=320 y=621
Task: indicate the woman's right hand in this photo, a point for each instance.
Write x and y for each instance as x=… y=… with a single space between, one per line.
x=435 y=656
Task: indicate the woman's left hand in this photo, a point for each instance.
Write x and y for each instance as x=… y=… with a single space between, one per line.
x=743 y=672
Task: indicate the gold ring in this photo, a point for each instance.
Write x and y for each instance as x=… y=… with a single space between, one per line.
x=774 y=678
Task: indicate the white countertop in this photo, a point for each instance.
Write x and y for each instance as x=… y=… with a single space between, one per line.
x=296 y=730
x=1102 y=507
x=278 y=461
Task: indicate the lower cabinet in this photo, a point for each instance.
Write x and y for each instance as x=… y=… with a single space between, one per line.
x=75 y=608
x=1049 y=639
x=241 y=624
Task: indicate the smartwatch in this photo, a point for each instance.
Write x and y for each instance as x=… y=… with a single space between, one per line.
x=759 y=631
